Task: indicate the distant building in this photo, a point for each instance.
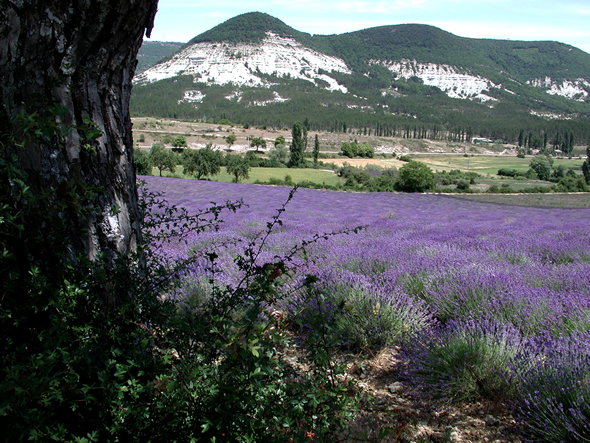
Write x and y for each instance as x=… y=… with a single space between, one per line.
x=481 y=140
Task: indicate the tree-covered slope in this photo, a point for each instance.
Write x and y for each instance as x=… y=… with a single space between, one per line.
x=253 y=27
x=427 y=44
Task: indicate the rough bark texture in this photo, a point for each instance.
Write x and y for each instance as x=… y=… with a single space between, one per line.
x=72 y=61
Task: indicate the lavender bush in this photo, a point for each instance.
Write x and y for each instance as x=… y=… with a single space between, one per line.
x=361 y=315
x=468 y=282
x=468 y=360
x=555 y=400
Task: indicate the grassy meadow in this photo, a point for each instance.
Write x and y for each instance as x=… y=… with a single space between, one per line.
x=265 y=174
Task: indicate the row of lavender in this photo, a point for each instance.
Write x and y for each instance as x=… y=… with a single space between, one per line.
x=486 y=299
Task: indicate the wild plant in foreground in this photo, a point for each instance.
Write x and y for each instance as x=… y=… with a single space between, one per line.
x=230 y=376
x=554 y=400
x=466 y=360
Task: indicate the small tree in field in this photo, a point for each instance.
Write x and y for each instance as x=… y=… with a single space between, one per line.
x=162 y=158
x=415 y=177
x=202 y=162
x=258 y=142
x=179 y=143
x=142 y=162
x=541 y=164
x=230 y=139
x=237 y=166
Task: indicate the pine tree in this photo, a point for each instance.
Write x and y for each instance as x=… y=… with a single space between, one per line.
x=297 y=146
x=316 y=150
x=545 y=140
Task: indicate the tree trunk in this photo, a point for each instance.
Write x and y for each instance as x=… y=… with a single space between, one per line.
x=67 y=66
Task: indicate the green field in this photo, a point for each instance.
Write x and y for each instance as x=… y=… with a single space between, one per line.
x=486 y=164
x=265 y=174
x=581 y=200
x=516 y=184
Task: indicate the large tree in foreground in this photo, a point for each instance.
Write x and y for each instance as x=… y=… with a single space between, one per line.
x=65 y=70
x=71 y=315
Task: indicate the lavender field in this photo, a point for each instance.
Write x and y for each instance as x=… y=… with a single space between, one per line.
x=485 y=300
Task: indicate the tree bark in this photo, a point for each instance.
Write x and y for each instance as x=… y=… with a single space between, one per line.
x=69 y=63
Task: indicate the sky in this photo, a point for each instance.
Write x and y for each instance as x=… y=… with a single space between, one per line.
x=566 y=21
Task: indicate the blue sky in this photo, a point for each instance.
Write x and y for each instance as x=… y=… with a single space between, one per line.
x=566 y=21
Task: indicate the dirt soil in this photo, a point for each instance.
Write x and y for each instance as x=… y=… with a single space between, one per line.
x=393 y=405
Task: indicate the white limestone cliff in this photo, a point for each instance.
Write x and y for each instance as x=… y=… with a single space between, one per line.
x=575 y=90
x=242 y=64
x=447 y=78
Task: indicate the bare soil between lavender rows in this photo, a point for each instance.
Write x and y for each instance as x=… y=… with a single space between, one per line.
x=411 y=416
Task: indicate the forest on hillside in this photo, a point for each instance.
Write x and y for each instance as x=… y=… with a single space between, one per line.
x=415 y=111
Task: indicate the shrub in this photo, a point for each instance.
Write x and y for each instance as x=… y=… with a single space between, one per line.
x=415 y=177
x=349 y=149
x=463 y=185
x=570 y=184
x=365 y=150
x=508 y=172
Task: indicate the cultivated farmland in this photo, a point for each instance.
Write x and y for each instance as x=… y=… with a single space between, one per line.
x=481 y=302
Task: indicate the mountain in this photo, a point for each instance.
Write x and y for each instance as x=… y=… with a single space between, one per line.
x=153 y=52
x=255 y=69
